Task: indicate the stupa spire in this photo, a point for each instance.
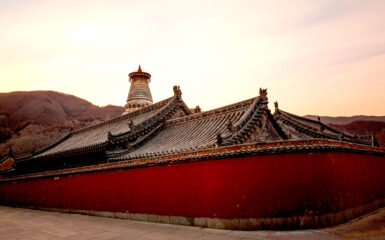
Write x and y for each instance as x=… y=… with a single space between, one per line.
x=139 y=95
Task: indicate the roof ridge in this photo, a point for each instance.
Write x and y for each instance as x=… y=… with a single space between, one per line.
x=46 y=148
x=73 y=150
x=125 y=116
x=145 y=123
x=299 y=117
x=316 y=122
x=210 y=113
x=242 y=126
x=338 y=134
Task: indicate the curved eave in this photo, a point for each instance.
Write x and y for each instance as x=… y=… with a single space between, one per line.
x=300 y=124
x=99 y=147
x=313 y=121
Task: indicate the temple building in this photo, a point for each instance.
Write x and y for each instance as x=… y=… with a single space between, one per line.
x=240 y=166
x=170 y=126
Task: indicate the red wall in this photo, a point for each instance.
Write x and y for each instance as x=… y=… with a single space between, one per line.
x=257 y=186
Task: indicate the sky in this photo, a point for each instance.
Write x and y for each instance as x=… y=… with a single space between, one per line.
x=314 y=57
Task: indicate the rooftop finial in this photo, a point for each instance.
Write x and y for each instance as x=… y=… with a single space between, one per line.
x=139 y=69
x=197 y=109
x=276 y=105
x=177 y=92
x=263 y=94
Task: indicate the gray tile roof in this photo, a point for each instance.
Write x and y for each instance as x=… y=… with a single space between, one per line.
x=98 y=133
x=192 y=132
x=169 y=127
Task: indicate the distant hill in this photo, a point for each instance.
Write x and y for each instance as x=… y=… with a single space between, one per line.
x=31 y=120
x=359 y=125
x=375 y=128
x=346 y=120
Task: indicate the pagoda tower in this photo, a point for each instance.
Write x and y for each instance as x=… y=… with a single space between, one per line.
x=140 y=94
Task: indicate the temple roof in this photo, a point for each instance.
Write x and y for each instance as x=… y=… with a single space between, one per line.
x=169 y=127
x=97 y=135
x=193 y=132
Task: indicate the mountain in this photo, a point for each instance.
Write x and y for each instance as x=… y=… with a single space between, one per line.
x=31 y=120
x=359 y=125
x=375 y=128
x=346 y=120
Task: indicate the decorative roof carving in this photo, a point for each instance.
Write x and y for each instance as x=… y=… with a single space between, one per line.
x=263 y=94
x=247 y=123
x=276 y=106
x=177 y=92
x=197 y=109
x=321 y=128
x=231 y=127
x=130 y=124
x=219 y=139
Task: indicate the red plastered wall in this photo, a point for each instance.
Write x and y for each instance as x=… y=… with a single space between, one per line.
x=257 y=186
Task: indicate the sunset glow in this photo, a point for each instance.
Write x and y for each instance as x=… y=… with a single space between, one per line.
x=314 y=57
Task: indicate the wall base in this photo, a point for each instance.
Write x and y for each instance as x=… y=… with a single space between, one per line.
x=287 y=223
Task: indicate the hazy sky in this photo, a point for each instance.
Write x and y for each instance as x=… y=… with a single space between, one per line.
x=315 y=57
